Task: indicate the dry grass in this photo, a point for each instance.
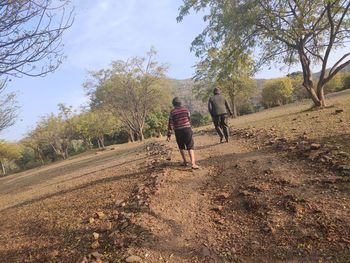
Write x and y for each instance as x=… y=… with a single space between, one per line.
x=290 y=121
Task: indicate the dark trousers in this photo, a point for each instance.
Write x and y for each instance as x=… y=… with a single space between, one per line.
x=221 y=126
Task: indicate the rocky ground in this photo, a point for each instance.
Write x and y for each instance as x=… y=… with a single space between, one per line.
x=259 y=198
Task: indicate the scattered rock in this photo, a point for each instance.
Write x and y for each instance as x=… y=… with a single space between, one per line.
x=96 y=235
x=95 y=245
x=91 y=220
x=337 y=111
x=268 y=171
x=345 y=169
x=100 y=215
x=205 y=252
x=315 y=146
x=54 y=254
x=222 y=195
x=343 y=154
x=218 y=208
x=106 y=226
x=96 y=255
x=133 y=258
x=83 y=260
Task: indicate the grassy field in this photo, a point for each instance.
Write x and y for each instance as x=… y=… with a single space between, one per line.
x=290 y=121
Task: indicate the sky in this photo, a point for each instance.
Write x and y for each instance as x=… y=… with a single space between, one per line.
x=103 y=31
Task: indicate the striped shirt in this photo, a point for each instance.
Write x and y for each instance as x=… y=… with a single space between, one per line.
x=179 y=118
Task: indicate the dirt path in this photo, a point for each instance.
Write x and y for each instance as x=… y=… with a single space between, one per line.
x=247 y=205
x=244 y=205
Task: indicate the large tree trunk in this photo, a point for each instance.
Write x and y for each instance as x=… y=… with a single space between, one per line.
x=232 y=95
x=317 y=97
x=141 y=136
x=131 y=136
x=101 y=139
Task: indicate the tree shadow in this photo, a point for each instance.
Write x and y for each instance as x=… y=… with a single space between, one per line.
x=80 y=187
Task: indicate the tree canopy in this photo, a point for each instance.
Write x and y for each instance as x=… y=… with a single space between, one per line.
x=131 y=89
x=30 y=35
x=287 y=32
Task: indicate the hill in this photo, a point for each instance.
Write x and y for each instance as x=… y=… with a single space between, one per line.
x=277 y=192
x=184 y=90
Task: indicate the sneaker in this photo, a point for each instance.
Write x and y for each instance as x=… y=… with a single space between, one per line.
x=185 y=164
x=226 y=139
x=221 y=139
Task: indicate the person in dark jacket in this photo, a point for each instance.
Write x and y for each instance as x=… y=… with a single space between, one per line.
x=179 y=121
x=219 y=110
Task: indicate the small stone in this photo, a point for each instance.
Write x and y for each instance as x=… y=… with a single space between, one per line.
x=218 y=208
x=83 y=260
x=343 y=154
x=96 y=255
x=222 y=195
x=96 y=235
x=205 y=252
x=54 y=254
x=315 y=146
x=91 y=220
x=133 y=258
x=100 y=215
x=339 y=111
x=106 y=226
x=95 y=245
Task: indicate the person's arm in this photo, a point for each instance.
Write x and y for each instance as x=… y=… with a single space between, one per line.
x=210 y=107
x=170 y=127
x=228 y=108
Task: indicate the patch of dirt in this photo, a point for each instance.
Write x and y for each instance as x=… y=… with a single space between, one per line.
x=247 y=203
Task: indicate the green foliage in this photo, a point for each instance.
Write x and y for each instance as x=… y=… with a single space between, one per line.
x=198 y=119
x=335 y=84
x=233 y=76
x=299 y=91
x=131 y=89
x=156 y=123
x=28 y=159
x=277 y=92
x=346 y=81
x=9 y=151
x=286 y=32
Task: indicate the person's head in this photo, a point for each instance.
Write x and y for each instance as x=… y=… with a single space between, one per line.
x=176 y=102
x=217 y=91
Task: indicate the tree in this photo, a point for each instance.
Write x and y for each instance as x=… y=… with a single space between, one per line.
x=277 y=92
x=8 y=152
x=95 y=125
x=288 y=31
x=8 y=108
x=30 y=35
x=131 y=89
x=234 y=77
x=156 y=123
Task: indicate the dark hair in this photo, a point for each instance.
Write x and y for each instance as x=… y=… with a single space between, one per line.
x=176 y=102
x=217 y=90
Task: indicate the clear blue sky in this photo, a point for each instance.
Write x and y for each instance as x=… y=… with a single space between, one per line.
x=103 y=31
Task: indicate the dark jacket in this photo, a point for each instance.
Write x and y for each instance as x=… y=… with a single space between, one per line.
x=218 y=105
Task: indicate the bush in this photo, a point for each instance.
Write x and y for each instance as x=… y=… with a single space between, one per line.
x=277 y=92
x=198 y=119
x=346 y=81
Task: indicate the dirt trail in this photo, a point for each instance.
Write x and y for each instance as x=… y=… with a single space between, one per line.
x=244 y=205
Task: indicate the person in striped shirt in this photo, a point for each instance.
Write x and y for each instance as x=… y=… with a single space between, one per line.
x=180 y=122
